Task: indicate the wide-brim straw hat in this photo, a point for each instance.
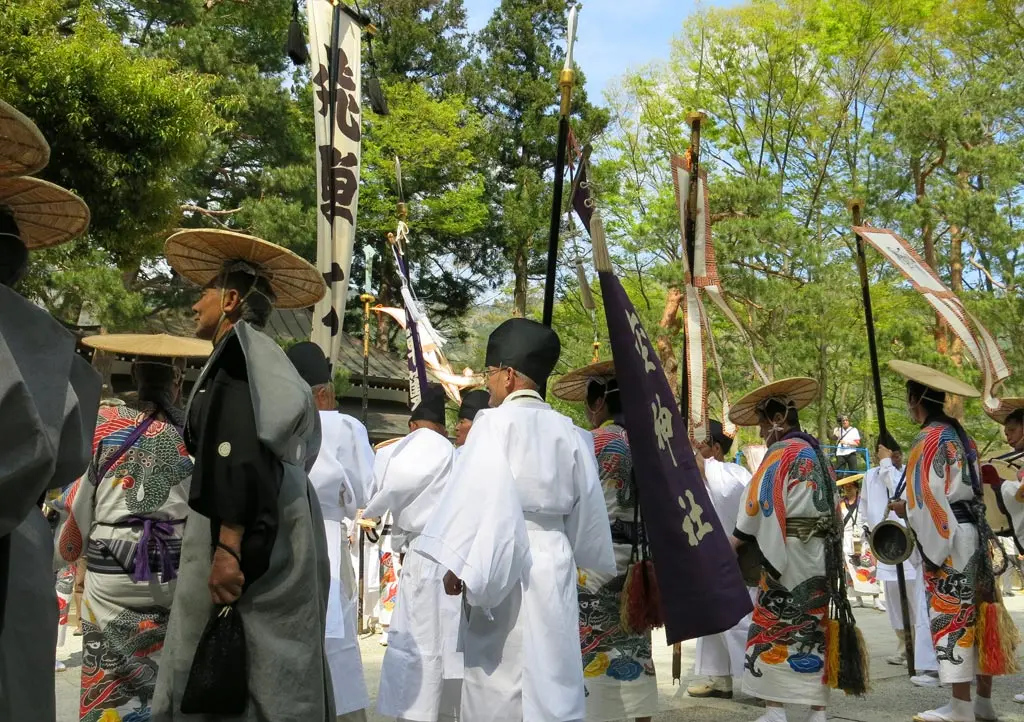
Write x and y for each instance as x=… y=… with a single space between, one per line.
x=199 y=255
x=1006 y=407
x=796 y=392
x=152 y=345
x=573 y=386
x=47 y=215
x=850 y=480
x=934 y=379
x=23 y=149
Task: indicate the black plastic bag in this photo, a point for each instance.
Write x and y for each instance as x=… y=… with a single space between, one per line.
x=218 y=680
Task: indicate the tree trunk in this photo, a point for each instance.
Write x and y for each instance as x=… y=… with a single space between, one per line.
x=956 y=282
x=671 y=325
x=520 y=268
x=928 y=241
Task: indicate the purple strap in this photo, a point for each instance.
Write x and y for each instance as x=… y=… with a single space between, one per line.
x=154 y=531
x=123 y=448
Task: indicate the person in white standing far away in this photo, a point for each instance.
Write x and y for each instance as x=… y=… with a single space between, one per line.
x=523 y=510
x=720 y=657
x=342 y=473
x=880 y=483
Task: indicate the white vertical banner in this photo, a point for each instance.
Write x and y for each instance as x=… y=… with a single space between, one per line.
x=335 y=41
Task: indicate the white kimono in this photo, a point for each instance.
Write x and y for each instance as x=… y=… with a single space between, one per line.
x=879 y=485
x=341 y=475
x=424 y=626
x=523 y=510
x=722 y=655
x=937 y=478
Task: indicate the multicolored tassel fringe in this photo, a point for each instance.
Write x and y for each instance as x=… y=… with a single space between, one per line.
x=640 y=607
x=996 y=637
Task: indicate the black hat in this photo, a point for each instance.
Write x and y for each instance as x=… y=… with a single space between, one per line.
x=431 y=405
x=718 y=435
x=473 y=402
x=529 y=347
x=309 y=360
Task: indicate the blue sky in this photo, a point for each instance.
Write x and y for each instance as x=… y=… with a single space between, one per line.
x=614 y=36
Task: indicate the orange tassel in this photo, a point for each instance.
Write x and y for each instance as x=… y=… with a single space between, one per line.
x=996 y=637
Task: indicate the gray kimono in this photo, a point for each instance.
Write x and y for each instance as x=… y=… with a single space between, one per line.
x=48 y=401
x=284 y=610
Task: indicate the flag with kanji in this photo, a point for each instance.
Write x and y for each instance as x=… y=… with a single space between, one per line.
x=701 y=589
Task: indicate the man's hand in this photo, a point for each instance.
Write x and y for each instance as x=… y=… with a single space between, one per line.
x=884 y=453
x=452 y=584
x=226 y=578
x=900 y=507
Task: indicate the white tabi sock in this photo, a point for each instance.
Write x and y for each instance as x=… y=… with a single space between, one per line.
x=817 y=715
x=773 y=714
x=983 y=708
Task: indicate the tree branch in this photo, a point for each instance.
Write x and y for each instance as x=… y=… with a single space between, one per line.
x=987 y=273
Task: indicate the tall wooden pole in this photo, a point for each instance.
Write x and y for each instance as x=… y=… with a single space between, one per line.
x=856 y=210
x=565 y=81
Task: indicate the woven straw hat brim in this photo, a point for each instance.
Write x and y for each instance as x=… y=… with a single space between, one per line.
x=800 y=390
x=23 y=149
x=1006 y=407
x=849 y=480
x=159 y=345
x=934 y=379
x=199 y=255
x=573 y=386
x=47 y=215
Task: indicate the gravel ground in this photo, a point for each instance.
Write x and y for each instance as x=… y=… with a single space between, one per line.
x=892 y=697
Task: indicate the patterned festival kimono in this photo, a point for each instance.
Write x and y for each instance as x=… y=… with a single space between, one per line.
x=128 y=527
x=785 y=659
x=389 y=567
x=860 y=562
x=618 y=669
x=938 y=486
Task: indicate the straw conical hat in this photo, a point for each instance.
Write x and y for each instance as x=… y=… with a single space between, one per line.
x=1006 y=407
x=23 y=149
x=934 y=379
x=159 y=345
x=850 y=480
x=199 y=255
x=573 y=386
x=46 y=214
x=798 y=392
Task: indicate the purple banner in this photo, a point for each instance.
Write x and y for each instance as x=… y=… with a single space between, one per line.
x=702 y=591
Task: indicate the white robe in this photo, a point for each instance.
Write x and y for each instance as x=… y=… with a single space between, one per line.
x=524 y=508
x=342 y=473
x=879 y=485
x=722 y=655
x=423 y=635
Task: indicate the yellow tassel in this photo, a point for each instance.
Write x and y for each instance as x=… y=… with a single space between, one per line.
x=831 y=653
x=624 y=601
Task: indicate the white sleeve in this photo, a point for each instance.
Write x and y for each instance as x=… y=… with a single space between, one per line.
x=587 y=526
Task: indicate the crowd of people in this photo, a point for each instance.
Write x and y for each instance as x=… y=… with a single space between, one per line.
x=218 y=537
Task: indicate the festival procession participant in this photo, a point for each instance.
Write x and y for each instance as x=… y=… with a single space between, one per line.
x=341 y=475
x=523 y=509
x=1006 y=480
x=721 y=657
x=255 y=543
x=880 y=483
x=472 y=403
x=860 y=562
x=48 y=401
x=943 y=507
x=618 y=665
x=790 y=512
x=421 y=672
x=125 y=521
